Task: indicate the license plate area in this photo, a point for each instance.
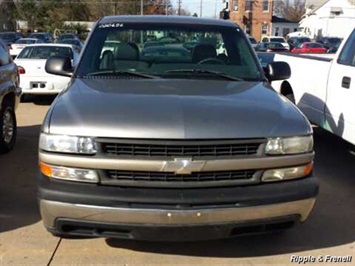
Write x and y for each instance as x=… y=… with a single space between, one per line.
x=37 y=85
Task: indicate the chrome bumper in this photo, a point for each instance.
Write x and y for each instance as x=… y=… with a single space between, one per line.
x=51 y=210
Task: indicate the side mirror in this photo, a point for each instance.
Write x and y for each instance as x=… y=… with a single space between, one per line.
x=59 y=65
x=277 y=71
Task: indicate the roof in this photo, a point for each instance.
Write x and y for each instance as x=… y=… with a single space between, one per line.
x=51 y=44
x=167 y=20
x=276 y=19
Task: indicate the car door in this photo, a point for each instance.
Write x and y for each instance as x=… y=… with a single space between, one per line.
x=340 y=106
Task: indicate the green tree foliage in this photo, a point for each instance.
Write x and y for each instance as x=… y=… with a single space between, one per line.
x=7 y=14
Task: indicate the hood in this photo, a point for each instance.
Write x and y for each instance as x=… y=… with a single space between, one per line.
x=173 y=109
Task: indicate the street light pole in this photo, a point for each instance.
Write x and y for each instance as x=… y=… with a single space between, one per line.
x=200 y=8
x=141 y=7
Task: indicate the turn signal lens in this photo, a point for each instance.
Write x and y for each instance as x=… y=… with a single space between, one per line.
x=287 y=173
x=69 y=174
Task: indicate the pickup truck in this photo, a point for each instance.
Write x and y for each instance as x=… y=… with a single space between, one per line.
x=166 y=143
x=10 y=94
x=324 y=88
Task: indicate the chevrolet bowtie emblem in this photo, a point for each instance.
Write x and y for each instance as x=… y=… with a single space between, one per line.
x=183 y=166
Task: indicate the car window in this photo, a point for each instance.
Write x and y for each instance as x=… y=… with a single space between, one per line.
x=4 y=55
x=277 y=40
x=43 y=52
x=177 y=48
x=347 y=55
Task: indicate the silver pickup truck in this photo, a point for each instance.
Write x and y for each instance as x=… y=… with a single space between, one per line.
x=161 y=137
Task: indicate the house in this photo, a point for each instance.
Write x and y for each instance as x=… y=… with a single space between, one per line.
x=282 y=27
x=253 y=16
x=328 y=18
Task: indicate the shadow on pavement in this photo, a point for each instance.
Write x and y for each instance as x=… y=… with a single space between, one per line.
x=18 y=178
x=39 y=99
x=330 y=224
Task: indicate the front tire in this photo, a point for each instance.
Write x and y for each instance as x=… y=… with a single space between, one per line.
x=8 y=128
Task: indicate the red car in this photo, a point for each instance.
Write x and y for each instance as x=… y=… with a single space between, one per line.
x=309 y=47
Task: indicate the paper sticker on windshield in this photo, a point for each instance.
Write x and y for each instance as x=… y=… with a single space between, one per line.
x=111 y=25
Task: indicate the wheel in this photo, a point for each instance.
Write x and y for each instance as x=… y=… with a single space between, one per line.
x=213 y=61
x=291 y=97
x=8 y=128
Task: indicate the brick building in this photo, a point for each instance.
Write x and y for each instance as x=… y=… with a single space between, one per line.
x=253 y=16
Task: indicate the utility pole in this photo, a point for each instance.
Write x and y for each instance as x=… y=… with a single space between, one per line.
x=141 y=7
x=179 y=7
x=200 y=8
x=166 y=7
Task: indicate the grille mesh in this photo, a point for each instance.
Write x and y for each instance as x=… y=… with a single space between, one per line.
x=156 y=150
x=171 y=177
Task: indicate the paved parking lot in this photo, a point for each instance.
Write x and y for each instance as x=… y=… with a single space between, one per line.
x=330 y=230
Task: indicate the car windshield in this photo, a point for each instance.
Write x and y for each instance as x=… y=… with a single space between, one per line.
x=25 y=41
x=43 y=52
x=277 y=40
x=176 y=52
x=7 y=36
x=252 y=40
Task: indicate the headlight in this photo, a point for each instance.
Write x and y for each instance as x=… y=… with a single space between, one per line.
x=67 y=144
x=290 y=145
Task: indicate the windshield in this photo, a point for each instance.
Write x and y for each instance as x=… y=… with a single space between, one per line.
x=277 y=40
x=25 y=41
x=43 y=52
x=172 y=51
x=7 y=36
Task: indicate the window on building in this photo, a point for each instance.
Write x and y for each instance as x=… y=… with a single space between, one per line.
x=264 y=29
x=235 y=5
x=249 y=5
x=248 y=29
x=265 y=5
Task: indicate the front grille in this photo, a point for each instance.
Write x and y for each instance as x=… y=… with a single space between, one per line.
x=169 y=177
x=201 y=149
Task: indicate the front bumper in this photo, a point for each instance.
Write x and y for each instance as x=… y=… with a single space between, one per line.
x=85 y=209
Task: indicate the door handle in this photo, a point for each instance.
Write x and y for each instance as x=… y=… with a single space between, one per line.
x=345 y=83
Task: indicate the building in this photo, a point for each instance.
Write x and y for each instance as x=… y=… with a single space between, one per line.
x=253 y=16
x=328 y=18
x=282 y=27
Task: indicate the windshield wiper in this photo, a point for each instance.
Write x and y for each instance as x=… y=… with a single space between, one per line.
x=121 y=73
x=205 y=71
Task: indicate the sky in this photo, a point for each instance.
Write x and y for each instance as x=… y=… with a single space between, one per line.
x=210 y=8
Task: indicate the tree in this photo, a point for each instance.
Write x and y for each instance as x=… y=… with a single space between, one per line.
x=7 y=14
x=293 y=11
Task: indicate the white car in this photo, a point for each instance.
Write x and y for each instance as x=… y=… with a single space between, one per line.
x=16 y=47
x=31 y=67
x=276 y=39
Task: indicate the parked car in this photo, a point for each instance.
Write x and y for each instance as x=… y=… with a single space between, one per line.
x=31 y=61
x=296 y=41
x=64 y=36
x=17 y=47
x=278 y=39
x=10 y=37
x=330 y=42
x=271 y=47
x=10 y=94
x=252 y=41
x=309 y=47
x=45 y=36
x=172 y=150
x=76 y=42
x=165 y=54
